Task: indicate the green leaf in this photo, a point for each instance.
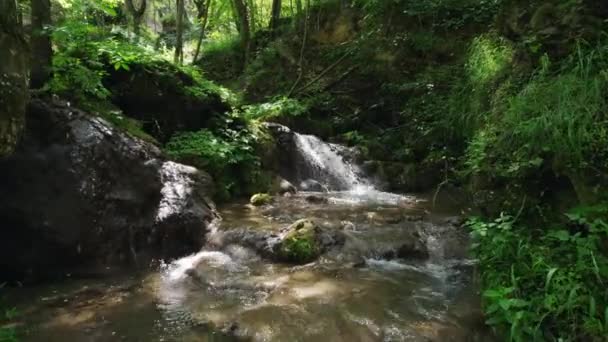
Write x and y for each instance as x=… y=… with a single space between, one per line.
x=550 y=275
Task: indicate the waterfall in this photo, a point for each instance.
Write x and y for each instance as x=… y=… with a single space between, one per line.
x=326 y=164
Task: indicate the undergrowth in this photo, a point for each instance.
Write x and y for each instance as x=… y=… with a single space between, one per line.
x=8 y=333
x=545 y=283
x=228 y=154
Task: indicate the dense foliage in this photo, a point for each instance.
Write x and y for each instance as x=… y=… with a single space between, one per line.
x=545 y=283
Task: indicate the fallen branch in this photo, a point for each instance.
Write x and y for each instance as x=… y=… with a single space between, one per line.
x=341 y=78
x=328 y=69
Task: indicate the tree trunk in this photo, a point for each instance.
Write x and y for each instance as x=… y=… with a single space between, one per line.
x=242 y=13
x=251 y=10
x=137 y=14
x=13 y=77
x=41 y=50
x=202 y=7
x=179 y=40
x=276 y=15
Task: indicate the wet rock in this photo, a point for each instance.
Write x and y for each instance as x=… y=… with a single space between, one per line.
x=347 y=225
x=299 y=243
x=414 y=248
x=164 y=98
x=302 y=242
x=312 y=185
x=316 y=199
x=81 y=194
x=282 y=187
x=414 y=218
x=456 y=221
x=260 y=199
x=403 y=177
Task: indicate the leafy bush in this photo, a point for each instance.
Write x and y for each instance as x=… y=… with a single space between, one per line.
x=545 y=283
x=227 y=154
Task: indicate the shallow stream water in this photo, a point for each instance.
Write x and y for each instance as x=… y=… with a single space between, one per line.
x=231 y=293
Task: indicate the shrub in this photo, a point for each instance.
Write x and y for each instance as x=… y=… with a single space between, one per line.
x=545 y=283
x=227 y=154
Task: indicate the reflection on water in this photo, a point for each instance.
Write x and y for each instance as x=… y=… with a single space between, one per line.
x=230 y=293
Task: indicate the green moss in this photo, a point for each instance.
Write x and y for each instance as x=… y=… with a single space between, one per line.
x=260 y=199
x=299 y=245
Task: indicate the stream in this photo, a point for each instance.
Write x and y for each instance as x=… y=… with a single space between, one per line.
x=227 y=292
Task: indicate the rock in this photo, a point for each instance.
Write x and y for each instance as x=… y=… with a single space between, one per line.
x=299 y=244
x=260 y=199
x=164 y=98
x=302 y=242
x=413 y=248
x=455 y=221
x=404 y=177
x=347 y=225
x=316 y=199
x=312 y=185
x=80 y=194
x=282 y=187
x=414 y=218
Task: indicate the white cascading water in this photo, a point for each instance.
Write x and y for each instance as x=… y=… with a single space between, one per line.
x=325 y=160
x=328 y=166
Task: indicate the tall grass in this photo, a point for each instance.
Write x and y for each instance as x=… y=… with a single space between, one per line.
x=488 y=62
x=564 y=115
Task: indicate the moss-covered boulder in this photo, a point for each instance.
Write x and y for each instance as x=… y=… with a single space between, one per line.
x=166 y=98
x=300 y=243
x=260 y=199
x=304 y=241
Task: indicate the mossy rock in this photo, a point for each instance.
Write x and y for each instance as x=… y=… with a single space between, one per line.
x=165 y=98
x=300 y=245
x=260 y=199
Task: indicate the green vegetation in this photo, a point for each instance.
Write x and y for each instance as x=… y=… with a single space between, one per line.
x=506 y=99
x=299 y=244
x=8 y=333
x=227 y=154
x=545 y=283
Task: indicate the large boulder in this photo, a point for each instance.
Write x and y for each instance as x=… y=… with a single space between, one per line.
x=164 y=98
x=301 y=242
x=79 y=195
